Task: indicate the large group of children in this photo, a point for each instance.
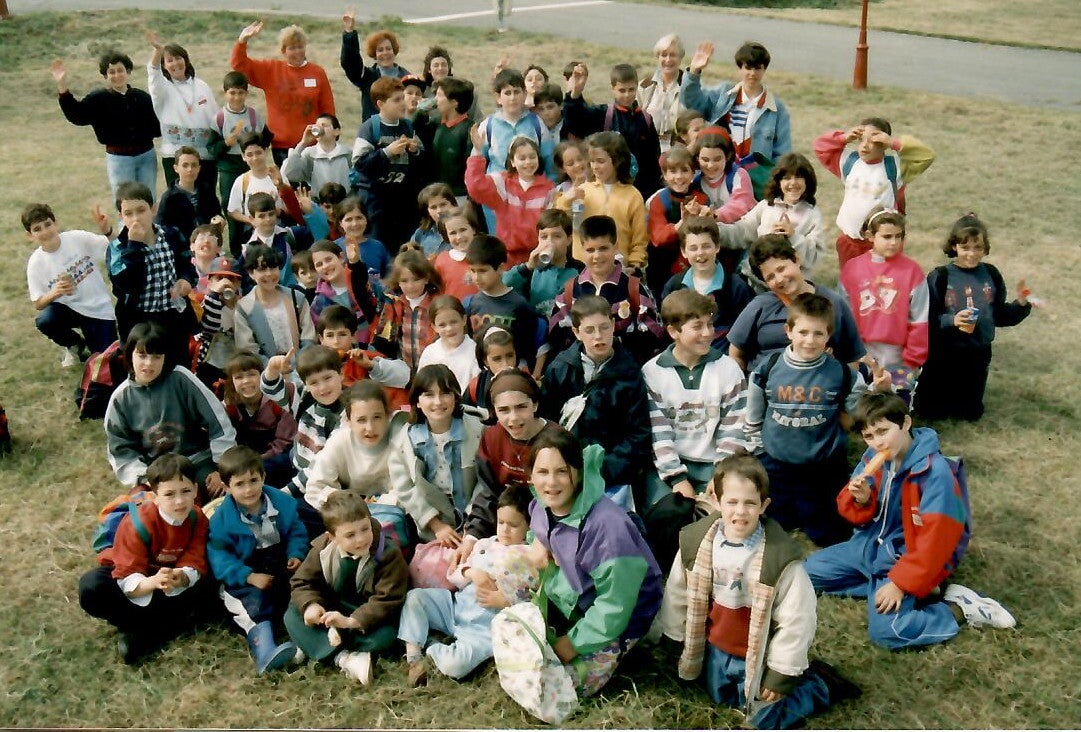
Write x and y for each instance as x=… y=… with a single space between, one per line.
x=428 y=385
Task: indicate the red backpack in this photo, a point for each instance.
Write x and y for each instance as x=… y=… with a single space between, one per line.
x=102 y=374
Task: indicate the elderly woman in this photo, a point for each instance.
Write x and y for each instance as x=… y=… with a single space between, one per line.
x=185 y=107
x=297 y=91
x=659 y=95
x=380 y=46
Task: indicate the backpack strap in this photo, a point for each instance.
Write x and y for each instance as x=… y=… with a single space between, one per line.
x=377 y=129
x=771 y=363
x=568 y=292
x=219 y=120
x=846 y=385
x=139 y=526
x=245 y=179
x=251 y=118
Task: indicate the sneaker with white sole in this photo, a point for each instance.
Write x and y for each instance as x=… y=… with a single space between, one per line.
x=357 y=665
x=979 y=611
x=70 y=357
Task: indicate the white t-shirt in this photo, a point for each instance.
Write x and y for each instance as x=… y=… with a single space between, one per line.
x=278 y=321
x=462 y=361
x=79 y=254
x=239 y=197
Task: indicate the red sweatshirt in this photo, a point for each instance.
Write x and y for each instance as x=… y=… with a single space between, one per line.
x=170 y=546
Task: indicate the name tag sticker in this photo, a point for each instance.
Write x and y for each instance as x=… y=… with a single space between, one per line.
x=310 y=83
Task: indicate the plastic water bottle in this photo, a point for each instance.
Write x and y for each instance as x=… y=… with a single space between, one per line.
x=577 y=207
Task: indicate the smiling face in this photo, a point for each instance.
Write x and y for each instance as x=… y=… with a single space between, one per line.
x=517 y=414
x=246 y=386
x=324 y=386
x=498 y=357
x=679 y=178
x=597 y=334
x=295 y=54
x=782 y=276
x=555 y=482
x=740 y=506
x=175 y=498
x=146 y=366
x=888 y=241
x=266 y=278
x=439 y=68
x=384 y=53
x=354 y=537
x=354 y=224
x=45 y=234
x=510 y=526
x=525 y=161
x=600 y=162
x=449 y=325
x=116 y=75
x=459 y=232
x=668 y=60
x=330 y=267
x=711 y=161
x=412 y=285
x=793 y=187
x=624 y=92
x=599 y=257
x=367 y=421
x=437 y=406
x=206 y=247
x=970 y=252
x=574 y=165
x=247 y=490
x=701 y=251
x=808 y=336
x=693 y=340
x=255 y=157
x=175 y=66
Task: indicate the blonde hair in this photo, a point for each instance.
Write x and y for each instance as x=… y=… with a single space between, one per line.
x=669 y=41
x=292 y=35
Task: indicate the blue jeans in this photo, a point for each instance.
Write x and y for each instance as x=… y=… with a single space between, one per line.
x=429 y=609
x=141 y=168
x=59 y=323
x=725 y=677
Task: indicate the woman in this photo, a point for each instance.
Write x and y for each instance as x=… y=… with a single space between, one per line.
x=438 y=65
x=380 y=46
x=658 y=95
x=601 y=591
x=297 y=91
x=185 y=107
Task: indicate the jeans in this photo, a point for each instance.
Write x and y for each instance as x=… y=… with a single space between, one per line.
x=140 y=168
x=59 y=323
x=725 y=678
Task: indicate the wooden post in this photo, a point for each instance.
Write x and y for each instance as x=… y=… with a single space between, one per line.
x=859 y=72
x=4 y=14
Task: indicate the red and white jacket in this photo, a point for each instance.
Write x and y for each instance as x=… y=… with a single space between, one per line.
x=516 y=209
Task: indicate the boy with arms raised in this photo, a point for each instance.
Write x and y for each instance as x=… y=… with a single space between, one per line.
x=912 y=529
x=150 y=585
x=65 y=283
x=256 y=542
x=741 y=605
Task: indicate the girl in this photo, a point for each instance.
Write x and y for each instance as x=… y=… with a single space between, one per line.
x=571 y=158
x=967 y=303
x=600 y=562
x=381 y=46
x=457 y=226
x=353 y=218
x=434 y=200
x=689 y=123
x=259 y=423
x=271 y=319
x=726 y=185
x=787 y=207
x=343 y=284
x=517 y=195
x=161 y=407
x=610 y=193
x=535 y=79
x=433 y=461
x=185 y=106
x=404 y=328
x=495 y=352
x=452 y=348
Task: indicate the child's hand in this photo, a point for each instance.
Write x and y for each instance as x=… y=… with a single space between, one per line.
x=577 y=83
x=304 y=199
x=488 y=594
x=237 y=129
x=349 y=19
x=769 y=695
x=888 y=598
x=138 y=234
x=101 y=220
x=538 y=556
x=352 y=251
x=685 y=489
x=461 y=554
x=856 y=133
x=701 y=57
x=161 y=580
x=64 y=285
x=313 y=614
x=444 y=533
x=335 y=619
x=881 y=138
x=260 y=580
x=278 y=365
x=413 y=144
x=963 y=317
x=880 y=377
x=308 y=138
x=1023 y=292
x=275 y=175
x=292 y=564
x=476 y=138
x=783 y=226
x=215 y=486
x=251 y=31
x=59 y=74
x=860 y=490
x=398 y=147
x=502 y=63
x=180 y=288
x=154 y=40
x=361 y=358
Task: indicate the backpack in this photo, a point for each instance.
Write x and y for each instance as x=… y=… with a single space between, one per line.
x=102 y=374
x=110 y=516
x=957 y=467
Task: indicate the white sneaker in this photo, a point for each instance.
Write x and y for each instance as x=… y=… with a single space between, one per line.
x=357 y=665
x=979 y=610
x=299 y=657
x=70 y=357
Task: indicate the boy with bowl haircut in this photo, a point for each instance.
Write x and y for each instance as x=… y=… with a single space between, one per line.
x=743 y=608
x=349 y=590
x=450 y=142
x=150 y=585
x=316 y=406
x=697 y=400
x=912 y=528
x=496 y=303
x=65 y=283
x=190 y=200
x=256 y=541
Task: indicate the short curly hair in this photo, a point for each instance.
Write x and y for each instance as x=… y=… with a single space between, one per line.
x=372 y=41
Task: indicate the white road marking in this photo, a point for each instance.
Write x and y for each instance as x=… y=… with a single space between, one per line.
x=517 y=9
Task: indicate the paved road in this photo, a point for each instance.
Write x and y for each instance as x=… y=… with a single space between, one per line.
x=1023 y=76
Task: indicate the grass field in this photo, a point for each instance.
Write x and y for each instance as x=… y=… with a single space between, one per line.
x=59 y=667
x=1042 y=23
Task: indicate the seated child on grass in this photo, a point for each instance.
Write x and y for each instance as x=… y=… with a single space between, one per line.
x=271 y=319
x=912 y=528
x=256 y=542
x=348 y=591
x=741 y=605
x=259 y=422
x=151 y=584
x=497 y=574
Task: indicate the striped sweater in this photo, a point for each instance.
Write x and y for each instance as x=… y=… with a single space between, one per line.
x=315 y=423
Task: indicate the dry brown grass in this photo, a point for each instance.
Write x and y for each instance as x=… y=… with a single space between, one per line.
x=59 y=666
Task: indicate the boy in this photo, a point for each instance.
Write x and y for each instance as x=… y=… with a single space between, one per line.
x=348 y=592
x=637 y=327
x=668 y=208
x=329 y=196
x=189 y=201
x=256 y=542
x=450 y=143
x=129 y=147
x=496 y=302
x=795 y=402
x=548 y=105
x=621 y=115
x=151 y=271
x=912 y=522
x=541 y=277
x=217 y=339
x=66 y=286
x=259 y=178
x=697 y=400
x=740 y=603
x=699 y=243
x=150 y=585
x=595 y=390
x=267 y=230
x=316 y=407
x=874 y=169
x=757 y=121
x=303 y=266
x=319 y=158
x=234 y=119
x=386 y=156
x=336 y=328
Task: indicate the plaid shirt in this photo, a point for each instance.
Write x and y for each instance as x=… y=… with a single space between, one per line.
x=160 y=276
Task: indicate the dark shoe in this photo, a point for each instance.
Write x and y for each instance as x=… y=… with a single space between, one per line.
x=838 y=686
x=132 y=647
